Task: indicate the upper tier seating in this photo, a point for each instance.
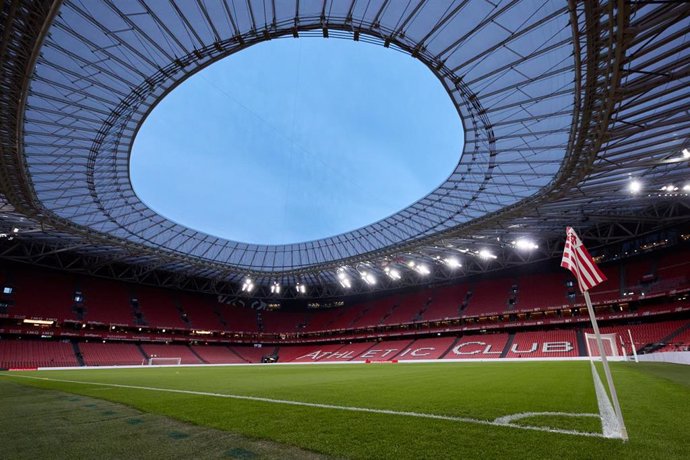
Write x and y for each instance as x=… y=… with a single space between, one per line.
x=490 y=297
x=541 y=290
x=48 y=296
x=240 y=319
x=107 y=302
x=406 y=307
x=373 y=313
x=159 y=309
x=200 y=312
x=446 y=303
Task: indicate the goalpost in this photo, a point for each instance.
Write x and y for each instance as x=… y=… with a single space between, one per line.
x=156 y=361
x=609 y=343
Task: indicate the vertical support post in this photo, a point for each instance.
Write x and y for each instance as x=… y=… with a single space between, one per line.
x=605 y=363
x=632 y=345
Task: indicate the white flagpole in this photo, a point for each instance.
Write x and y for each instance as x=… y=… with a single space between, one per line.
x=605 y=362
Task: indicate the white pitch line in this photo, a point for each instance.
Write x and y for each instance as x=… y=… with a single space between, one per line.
x=451 y=418
x=609 y=422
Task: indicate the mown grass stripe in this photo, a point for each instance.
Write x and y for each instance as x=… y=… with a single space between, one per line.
x=322 y=406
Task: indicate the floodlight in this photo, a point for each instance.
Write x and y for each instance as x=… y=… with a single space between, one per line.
x=275 y=288
x=686 y=188
x=452 y=262
x=393 y=273
x=686 y=154
x=423 y=270
x=635 y=186
x=248 y=285
x=525 y=245
x=486 y=255
x=368 y=278
x=301 y=288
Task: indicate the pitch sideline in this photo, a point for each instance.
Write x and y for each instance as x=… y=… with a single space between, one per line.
x=504 y=421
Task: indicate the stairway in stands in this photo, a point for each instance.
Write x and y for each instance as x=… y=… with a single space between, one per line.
x=668 y=339
x=77 y=353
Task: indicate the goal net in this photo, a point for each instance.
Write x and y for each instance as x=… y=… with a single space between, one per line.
x=156 y=361
x=608 y=341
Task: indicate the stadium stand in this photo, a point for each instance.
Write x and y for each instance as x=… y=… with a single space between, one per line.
x=374 y=313
x=110 y=354
x=541 y=290
x=158 y=308
x=543 y=344
x=446 y=303
x=490 y=297
x=251 y=354
x=171 y=351
x=485 y=346
x=217 y=354
x=107 y=302
x=426 y=349
x=49 y=295
x=239 y=318
x=201 y=312
x=28 y=354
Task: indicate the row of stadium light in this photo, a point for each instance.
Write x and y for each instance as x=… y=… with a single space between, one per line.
x=635 y=186
x=367 y=275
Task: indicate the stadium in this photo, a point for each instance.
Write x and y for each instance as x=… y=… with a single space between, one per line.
x=447 y=329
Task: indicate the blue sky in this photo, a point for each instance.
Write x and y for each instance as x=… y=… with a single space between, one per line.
x=295 y=140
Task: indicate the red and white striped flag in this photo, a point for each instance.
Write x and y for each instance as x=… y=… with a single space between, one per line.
x=577 y=260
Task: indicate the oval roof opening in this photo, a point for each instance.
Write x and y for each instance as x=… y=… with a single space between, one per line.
x=296 y=140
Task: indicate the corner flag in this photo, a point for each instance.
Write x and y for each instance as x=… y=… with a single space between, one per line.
x=577 y=260
x=580 y=263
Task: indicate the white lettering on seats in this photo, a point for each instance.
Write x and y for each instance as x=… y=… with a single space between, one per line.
x=557 y=347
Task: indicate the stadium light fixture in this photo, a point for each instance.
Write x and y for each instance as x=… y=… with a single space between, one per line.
x=486 y=254
x=686 y=188
x=301 y=288
x=452 y=262
x=411 y=264
x=275 y=288
x=686 y=154
x=368 y=278
x=525 y=245
x=392 y=273
x=344 y=280
x=635 y=187
x=248 y=285
x=423 y=270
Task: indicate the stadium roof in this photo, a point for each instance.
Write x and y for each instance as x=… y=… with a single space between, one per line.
x=563 y=107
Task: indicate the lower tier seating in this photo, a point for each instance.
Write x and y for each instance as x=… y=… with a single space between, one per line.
x=110 y=354
x=28 y=354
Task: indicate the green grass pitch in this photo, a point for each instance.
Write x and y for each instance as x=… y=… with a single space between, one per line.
x=655 y=400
